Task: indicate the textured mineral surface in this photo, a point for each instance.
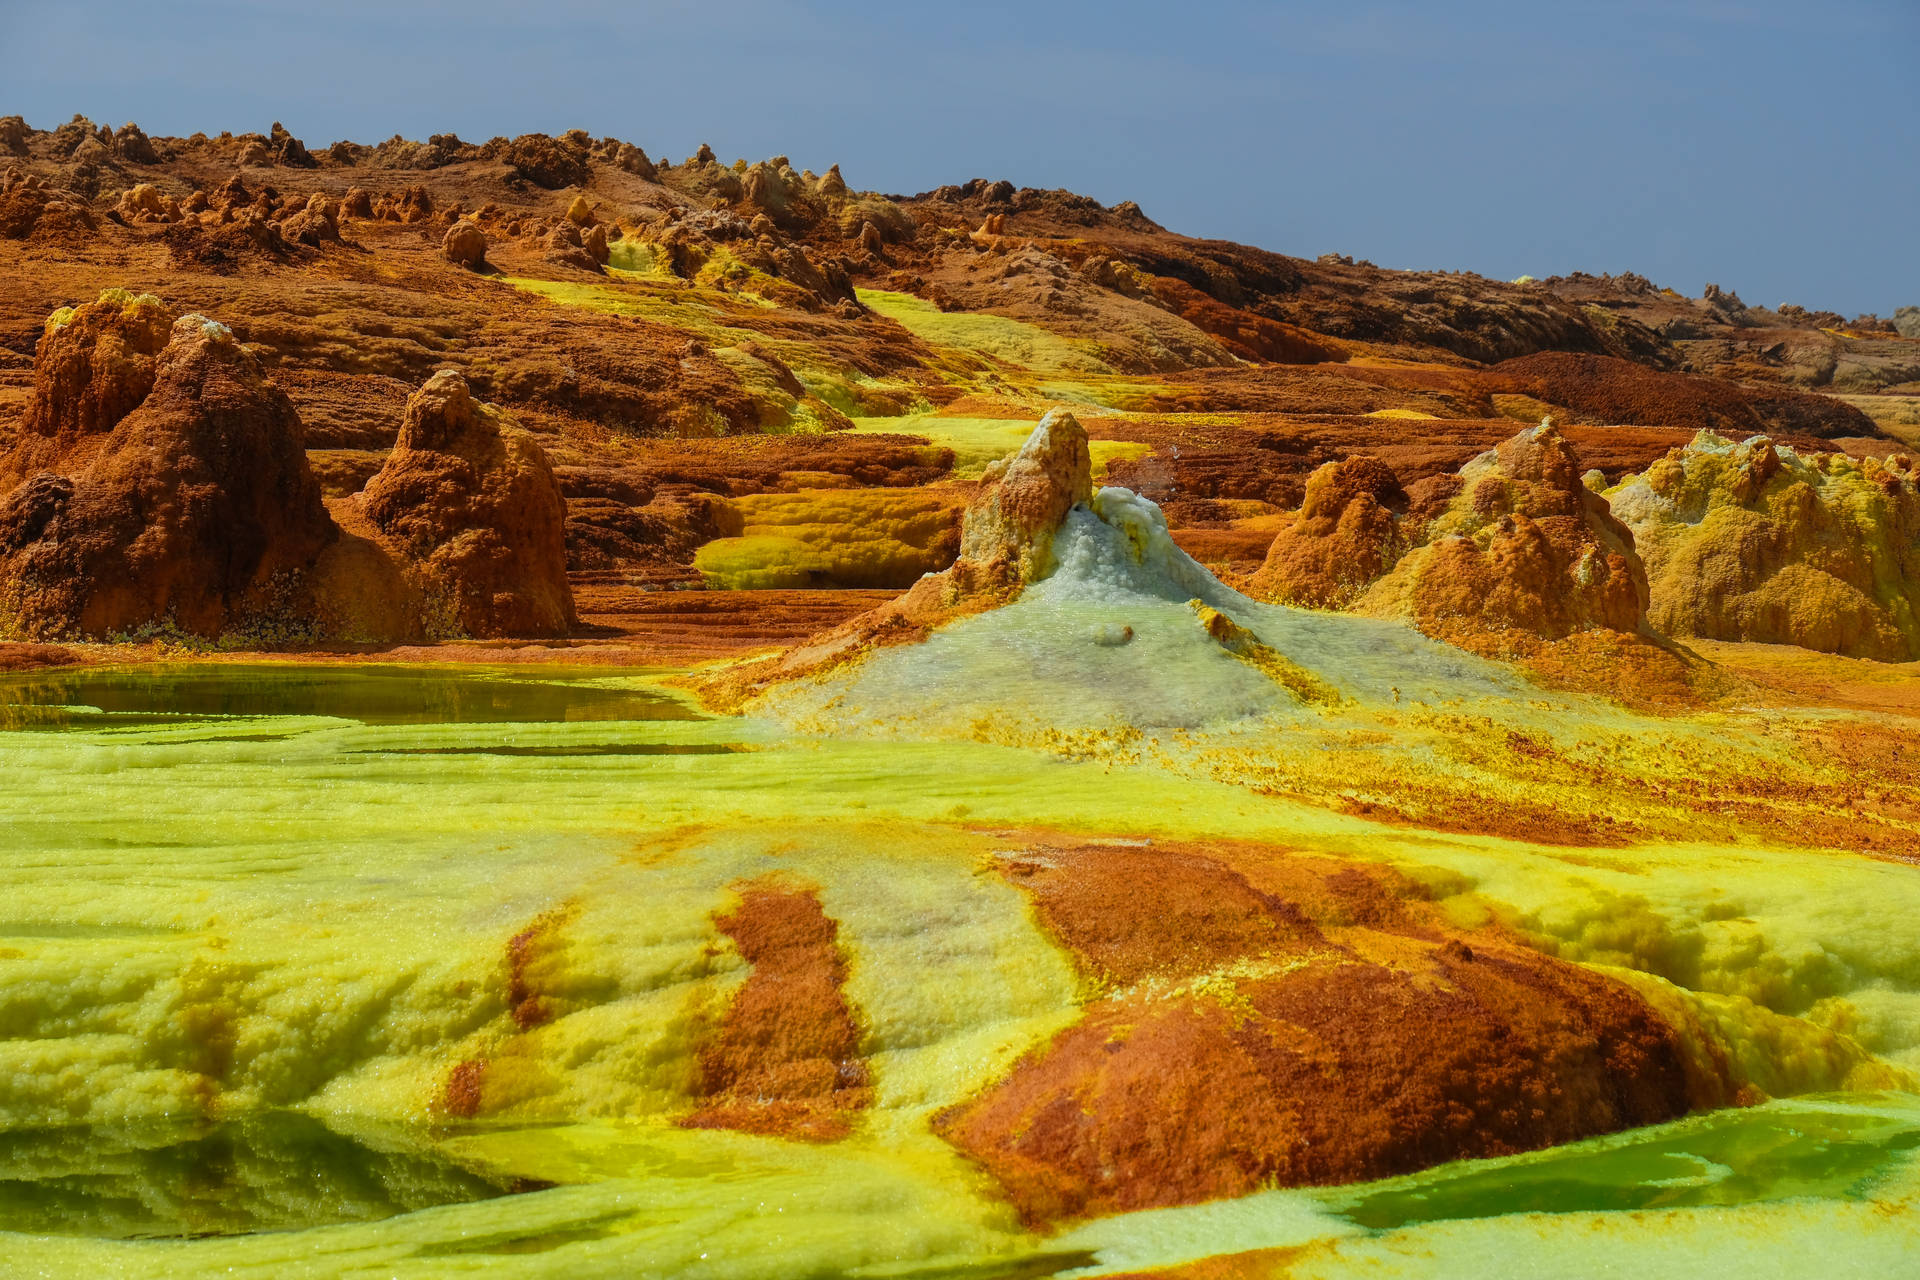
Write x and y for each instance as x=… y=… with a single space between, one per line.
x=574 y=713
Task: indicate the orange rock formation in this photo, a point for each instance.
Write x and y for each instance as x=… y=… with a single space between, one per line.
x=471 y=499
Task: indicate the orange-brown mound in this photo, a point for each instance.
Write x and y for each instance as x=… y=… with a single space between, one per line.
x=472 y=499
x=92 y=367
x=1344 y=537
x=30 y=657
x=785 y=1058
x=1521 y=545
x=1294 y=1021
x=1254 y=1264
x=198 y=508
x=1643 y=672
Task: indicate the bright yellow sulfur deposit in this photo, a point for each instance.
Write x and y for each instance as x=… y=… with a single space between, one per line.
x=182 y=940
x=1012 y=344
x=834 y=538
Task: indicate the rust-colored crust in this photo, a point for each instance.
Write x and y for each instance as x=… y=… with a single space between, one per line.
x=785 y=1058
x=1283 y=1020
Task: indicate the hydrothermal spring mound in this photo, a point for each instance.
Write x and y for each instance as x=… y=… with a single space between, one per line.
x=1128 y=926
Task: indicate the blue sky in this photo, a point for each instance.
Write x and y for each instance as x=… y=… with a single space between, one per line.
x=1771 y=146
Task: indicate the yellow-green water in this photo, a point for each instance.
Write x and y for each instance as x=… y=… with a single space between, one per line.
x=255 y=914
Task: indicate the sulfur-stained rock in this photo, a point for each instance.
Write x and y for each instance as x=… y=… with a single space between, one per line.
x=1009 y=528
x=471 y=499
x=1753 y=541
x=356 y=204
x=580 y=212
x=197 y=511
x=465 y=245
x=1255 y=1037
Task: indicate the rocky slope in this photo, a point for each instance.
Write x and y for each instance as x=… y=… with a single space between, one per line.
x=714 y=357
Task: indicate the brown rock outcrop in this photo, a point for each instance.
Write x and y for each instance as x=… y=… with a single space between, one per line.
x=93 y=366
x=416 y=205
x=289 y=151
x=197 y=511
x=28 y=209
x=594 y=241
x=144 y=203
x=1610 y=390
x=566 y=247
x=465 y=245
x=133 y=145
x=314 y=225
x=472 y=501
x=547 y=162
x=632 y=159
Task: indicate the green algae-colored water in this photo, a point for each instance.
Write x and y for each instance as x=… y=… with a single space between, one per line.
x=1829 y=1147
x=385 y=695
x=255 y=914
x=263 y=1171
